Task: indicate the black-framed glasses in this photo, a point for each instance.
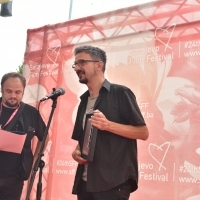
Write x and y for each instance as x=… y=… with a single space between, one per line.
x=82 y=62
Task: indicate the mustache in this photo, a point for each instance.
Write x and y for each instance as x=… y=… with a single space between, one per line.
x=12 y=98
x=80 y=72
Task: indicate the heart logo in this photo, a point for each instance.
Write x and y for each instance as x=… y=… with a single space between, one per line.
x=166 y=33
x=53 y=53
x=158 y=153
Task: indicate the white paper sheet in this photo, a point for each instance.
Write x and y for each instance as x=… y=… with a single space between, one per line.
x=11 y=142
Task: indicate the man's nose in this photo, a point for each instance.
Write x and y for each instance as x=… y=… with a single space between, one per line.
x=76 y=68
x=13 y=94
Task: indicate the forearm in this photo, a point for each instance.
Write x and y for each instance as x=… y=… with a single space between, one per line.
x=78 y=147
x=128 y=131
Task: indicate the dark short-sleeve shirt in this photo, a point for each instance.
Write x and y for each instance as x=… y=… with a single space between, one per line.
x=115 y=157
x=30 y=122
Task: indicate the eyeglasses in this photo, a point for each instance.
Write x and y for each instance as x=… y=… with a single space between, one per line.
x=81 y=63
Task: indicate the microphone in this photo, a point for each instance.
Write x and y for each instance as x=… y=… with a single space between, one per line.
x=56 y=93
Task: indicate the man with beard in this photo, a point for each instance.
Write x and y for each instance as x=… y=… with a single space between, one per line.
x=17 y=117
x=113 y=173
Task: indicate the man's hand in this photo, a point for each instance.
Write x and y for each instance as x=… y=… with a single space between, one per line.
x=99 y=120
x=76 y=155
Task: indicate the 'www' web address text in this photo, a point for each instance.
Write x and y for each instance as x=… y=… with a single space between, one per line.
x=192 y=53
x=188 y=180
x=65 y=172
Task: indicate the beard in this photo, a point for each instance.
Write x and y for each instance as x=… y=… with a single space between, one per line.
x=83 y=80
x=11 y=105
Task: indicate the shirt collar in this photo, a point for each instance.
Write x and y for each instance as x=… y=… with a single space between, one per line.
x=106 y=85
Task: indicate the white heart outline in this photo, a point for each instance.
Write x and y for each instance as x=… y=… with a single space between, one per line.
x=159 y=147
x=57 y=53
x=165 y=31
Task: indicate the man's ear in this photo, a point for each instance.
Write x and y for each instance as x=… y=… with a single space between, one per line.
x=100 y=65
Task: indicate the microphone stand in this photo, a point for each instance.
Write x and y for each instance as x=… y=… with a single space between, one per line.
x=40 y=163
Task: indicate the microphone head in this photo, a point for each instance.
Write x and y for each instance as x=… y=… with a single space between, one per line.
x=62 y=91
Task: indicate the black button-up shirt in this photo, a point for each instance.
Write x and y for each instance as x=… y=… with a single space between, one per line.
x=115 y=157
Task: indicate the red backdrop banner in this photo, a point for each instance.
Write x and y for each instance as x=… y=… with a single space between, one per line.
x=154 y=49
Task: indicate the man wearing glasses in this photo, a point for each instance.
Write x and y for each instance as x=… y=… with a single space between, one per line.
x=113 y=173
